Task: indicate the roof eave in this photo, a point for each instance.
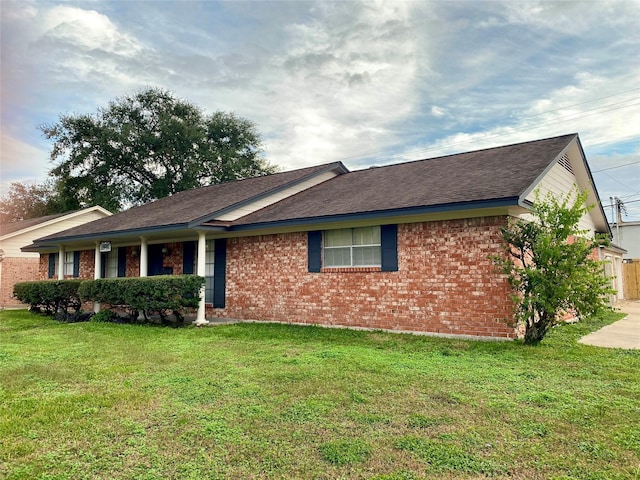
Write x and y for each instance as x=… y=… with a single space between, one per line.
x=523 y=202
x=539 y=178
x=140 y=232
x=58 y=219
x=381 y=214
x=595 y=190
x=339 y=166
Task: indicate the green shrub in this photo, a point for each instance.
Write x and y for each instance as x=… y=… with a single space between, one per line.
x=159 y=294
x=105 y=316
x=50 y=296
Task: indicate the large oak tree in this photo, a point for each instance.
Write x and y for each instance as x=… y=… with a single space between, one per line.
x=148 y=146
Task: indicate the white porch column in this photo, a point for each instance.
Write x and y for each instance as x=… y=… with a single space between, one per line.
x=61 y=262
x=97 y=262
x=97 y=268
x=201 y=267
x=144 y=257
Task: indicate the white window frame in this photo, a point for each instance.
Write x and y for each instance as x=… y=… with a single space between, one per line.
x=352 y=247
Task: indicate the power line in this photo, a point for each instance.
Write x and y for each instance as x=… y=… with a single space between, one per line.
x=612 y=204
x=617 y=105
x=524 y=127
x=630 y=196
x=617 y=166
x=616 y=180
x=581 y=103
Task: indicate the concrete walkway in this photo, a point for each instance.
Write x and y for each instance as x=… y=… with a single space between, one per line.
x=624 y=333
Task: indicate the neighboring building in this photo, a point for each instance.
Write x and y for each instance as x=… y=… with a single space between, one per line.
x=17 y=266
x=403 y=247
x=627 y=236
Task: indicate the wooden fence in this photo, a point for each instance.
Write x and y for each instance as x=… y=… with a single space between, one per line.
x=631 y=279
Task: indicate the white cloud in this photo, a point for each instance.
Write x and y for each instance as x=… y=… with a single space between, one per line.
x=327 y=81
x=86 y=30
x=20 y=162
x=438 y=112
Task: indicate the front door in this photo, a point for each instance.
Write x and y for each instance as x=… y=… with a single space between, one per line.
x=155 y=260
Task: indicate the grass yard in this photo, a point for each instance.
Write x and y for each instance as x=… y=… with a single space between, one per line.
x=92 y=400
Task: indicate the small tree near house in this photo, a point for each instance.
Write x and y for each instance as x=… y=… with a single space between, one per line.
x=550 y=266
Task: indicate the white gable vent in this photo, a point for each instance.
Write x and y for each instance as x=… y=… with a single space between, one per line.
x=564 y=161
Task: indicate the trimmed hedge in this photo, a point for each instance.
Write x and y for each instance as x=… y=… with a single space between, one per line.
x=146 y=295
x=51 y=296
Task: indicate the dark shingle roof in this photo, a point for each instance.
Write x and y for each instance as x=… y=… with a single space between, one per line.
x=490 y=174
x=190 y=205
x=466 y=179
x=8 y=228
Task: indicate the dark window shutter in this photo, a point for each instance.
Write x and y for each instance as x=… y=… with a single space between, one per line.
x=103 y=265
x=219 y=272
x=122 y=261
x=76 y=264
x=52 y=264
x=389 y=244
x=314 y=251
x=188 y=257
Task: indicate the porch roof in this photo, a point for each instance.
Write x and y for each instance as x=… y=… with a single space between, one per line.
x=181 y=210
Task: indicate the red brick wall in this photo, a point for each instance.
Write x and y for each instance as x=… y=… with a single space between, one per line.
x=16 y=270
x=87 y=262
x=174 y=258
x=43 y=267
x=445 y=284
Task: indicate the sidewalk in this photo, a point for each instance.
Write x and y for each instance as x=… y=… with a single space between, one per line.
x=624 y=333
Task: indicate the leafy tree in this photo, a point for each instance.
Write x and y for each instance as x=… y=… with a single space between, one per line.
x=28 y=201
x=550 y=266
x=148 y=146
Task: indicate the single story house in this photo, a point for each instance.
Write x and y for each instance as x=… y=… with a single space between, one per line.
x=18 y=266
x=403 y=247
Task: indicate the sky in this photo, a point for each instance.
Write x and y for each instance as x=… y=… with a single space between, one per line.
x=366 y=83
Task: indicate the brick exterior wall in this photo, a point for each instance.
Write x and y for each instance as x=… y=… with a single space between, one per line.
x=446 y=283
x=43 y=267
x=174 y=258
x=14 y=270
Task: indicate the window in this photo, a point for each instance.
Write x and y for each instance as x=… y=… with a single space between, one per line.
x=209 y=270
x=69 y=263
x=114 y=263
x=111 y=264
x=352 y=247
x=348 y=247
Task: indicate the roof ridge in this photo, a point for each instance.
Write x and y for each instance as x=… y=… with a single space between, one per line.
x=463 y=153
x=239 y=180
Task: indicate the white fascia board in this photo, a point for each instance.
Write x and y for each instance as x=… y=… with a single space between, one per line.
x=63 y=218
x=275 y=197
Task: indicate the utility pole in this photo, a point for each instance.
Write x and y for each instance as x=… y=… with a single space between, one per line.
x=619 y=209
x=613 y=212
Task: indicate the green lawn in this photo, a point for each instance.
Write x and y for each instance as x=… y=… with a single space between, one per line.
x=94 y=400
